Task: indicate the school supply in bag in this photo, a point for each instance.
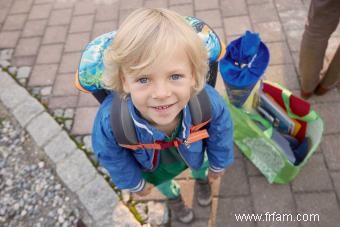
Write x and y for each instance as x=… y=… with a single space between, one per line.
x=88 y=79
x=269 y=153
x=268 y=107
x=243 y=65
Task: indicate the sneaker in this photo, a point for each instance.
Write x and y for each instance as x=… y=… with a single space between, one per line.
x=180 y=211
x=203 y=190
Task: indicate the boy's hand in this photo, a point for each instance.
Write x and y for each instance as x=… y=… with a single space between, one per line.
x=146 y=190
x=212 y=176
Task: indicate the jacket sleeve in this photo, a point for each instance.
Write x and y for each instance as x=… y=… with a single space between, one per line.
x=220 y=147
x=119 y=162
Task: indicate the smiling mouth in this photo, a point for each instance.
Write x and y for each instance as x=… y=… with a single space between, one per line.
x=162 y=107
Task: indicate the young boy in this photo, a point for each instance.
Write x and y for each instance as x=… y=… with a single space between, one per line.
x=157 y=63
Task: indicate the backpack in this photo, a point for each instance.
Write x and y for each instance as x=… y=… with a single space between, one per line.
x=88 y=79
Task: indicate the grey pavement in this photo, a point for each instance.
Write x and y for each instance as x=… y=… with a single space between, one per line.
x=41 y=43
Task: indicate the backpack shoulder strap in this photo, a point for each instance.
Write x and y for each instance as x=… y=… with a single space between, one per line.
x=121 y=121
x=200 y=108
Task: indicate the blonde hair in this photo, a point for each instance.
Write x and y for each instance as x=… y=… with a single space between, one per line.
x=147 y=35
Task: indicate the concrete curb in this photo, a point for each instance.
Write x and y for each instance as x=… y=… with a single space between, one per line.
x=72 y=165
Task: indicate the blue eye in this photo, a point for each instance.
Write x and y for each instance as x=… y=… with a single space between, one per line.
x=176 y=76
x=143 y=80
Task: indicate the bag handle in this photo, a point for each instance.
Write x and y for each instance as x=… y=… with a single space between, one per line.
x=268 y=132
x=311 y=116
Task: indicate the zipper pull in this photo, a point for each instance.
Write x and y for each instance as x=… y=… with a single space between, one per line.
x=185 y=142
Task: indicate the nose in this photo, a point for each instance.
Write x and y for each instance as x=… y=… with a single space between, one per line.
x=161 y=90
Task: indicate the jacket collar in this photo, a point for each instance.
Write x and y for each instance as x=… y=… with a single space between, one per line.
x=142 y=125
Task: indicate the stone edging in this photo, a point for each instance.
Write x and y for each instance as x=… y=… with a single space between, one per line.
x=71 y=164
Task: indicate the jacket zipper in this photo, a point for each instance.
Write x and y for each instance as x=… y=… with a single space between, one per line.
x=185 y=142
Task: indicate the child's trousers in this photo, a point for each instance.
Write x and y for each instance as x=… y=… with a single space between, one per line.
x=163 y=177
x=323 y=19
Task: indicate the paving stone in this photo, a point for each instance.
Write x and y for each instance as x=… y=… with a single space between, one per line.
x=211 y=17
x=63 y=102
x=64 y=85
x=103 y=27
x=3 y=14
x=234 y=181
x=76 y=171
x=84 y=7
x=322 y=204
x=83 y=120
x=252 y=170
x=184 y=10
x=43 y=128
x=236 y=25
x=63 y=4
x=228 y=208
x=283 y=5
x=43 y=1
x=10 y=93
x=179 y=2
x=313 y=176
x=52 y=148
x=77 y=42
x=336 y=181
x=270 y=31
x=21 y=6
x=69 y=63
x=123 y=14
x=6 y=54
x=34 y=28
x=56 y=34
x=27 y=46
x=60 y=17
x=23 y=60
x=98 y=197
x=330 y=147
x=271 y=197
x=220 y=34
x=50 y=54
x=256 y=2
x=9 y=39
x=197 y=223
x=328 y=114
x=204 y=5
x=106 y=12
x=284 y=75
x=86 y=100
x=331 y=96
x=81 y=23
x=43 y=75
x=27 y=110
x=293 y=19
x=40 y=11
x=231 y=8
x=15 y=22
x=156 y=3
x=279 y=53
x=132 y=4
x=121 y=217
x=263 y=13
x=294 y=39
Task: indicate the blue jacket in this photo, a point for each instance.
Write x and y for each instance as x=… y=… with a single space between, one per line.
x=125 y=166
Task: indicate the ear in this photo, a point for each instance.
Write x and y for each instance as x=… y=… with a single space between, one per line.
x=125 y=85
x=193 y=80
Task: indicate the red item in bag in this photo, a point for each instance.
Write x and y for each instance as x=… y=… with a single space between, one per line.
x=298 y=106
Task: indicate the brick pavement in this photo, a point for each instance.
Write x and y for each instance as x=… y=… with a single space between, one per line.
x=48 y=35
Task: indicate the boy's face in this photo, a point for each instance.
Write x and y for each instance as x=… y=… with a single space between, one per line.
x=162 y=91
